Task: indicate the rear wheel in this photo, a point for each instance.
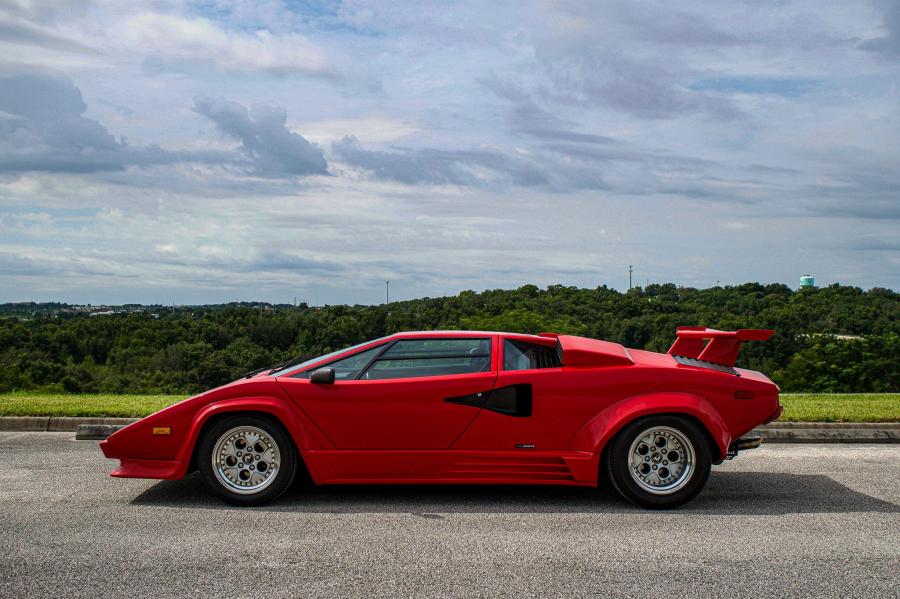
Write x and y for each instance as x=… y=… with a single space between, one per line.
x=659 y=461
x=247 y=460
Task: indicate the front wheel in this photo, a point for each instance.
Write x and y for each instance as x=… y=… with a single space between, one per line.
x=659 y=462
x=247 y=460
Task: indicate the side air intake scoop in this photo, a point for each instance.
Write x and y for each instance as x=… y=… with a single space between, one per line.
x=711 y=345
x=581 y=351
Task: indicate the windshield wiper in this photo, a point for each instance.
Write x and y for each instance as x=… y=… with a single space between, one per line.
x=279 y=366
x=291 y=362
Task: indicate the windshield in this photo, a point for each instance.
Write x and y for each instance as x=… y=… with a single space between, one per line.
x=302 y=365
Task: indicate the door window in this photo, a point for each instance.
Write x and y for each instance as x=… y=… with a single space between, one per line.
x=348 y=368
x=413 y=358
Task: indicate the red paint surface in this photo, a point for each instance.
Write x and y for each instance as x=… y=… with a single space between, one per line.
x=402 y=430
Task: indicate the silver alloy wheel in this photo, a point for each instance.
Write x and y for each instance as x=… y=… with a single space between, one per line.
x=661 y=460
x=246 y=460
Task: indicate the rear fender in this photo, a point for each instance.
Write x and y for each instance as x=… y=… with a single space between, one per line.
x=272 y=406
x=601 y=428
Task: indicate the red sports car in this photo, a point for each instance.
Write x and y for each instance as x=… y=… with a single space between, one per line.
x=467 y=407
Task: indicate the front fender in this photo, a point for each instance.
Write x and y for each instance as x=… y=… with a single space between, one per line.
x=601 y=428
x=269 y=405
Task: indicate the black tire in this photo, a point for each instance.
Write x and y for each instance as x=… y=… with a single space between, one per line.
x=285 y=464
x=676 y=430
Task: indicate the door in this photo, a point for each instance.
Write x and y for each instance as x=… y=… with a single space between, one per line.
x=551 y=402
x=394 y=398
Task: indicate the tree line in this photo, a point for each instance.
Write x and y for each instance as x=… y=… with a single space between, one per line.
x=186 y=350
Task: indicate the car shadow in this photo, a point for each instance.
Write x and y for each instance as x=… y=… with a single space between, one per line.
x=737 y=493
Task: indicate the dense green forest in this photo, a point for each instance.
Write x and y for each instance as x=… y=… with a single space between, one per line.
x=186 y=350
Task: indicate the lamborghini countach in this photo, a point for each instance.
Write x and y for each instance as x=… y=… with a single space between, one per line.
x=463 y=407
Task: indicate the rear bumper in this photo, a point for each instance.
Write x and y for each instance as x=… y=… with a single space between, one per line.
x=775 y=415
x=743 y=444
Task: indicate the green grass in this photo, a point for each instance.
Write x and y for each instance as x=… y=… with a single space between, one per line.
x=64 y=404
x=840 y=407
x=798 y=407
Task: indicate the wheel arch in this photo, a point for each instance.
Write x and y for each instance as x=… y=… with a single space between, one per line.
x=596 y=435
x=272 y=408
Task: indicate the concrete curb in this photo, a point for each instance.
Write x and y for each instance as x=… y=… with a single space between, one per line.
x=55 y=424
x=830 y=432
x=777 y=432
x=97 y=432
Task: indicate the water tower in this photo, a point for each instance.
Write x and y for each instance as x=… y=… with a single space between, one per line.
x=807 y=281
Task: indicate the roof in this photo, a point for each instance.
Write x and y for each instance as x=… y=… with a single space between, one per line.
x=465 y=334
x=576 y=351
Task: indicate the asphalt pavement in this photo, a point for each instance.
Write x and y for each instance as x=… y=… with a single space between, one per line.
x=783 y=520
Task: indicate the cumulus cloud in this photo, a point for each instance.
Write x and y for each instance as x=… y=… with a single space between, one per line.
x=197 y=39
x=595 y=130
x=271 y=148
x=889 y=43
x=43 y=127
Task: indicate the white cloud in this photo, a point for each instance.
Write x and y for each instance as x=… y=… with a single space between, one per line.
x=200 y=40
x=367 y=129
x=553 y=143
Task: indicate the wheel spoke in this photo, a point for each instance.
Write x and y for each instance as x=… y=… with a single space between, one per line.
x=234 y=471
x=666 y=451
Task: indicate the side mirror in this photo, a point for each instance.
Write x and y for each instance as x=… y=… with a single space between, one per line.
x=322 y=376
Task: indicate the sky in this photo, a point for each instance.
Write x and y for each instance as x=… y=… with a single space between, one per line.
x=180 y=152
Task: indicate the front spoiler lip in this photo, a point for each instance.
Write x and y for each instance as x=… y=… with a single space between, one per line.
x=106 y=448
x=160 y=469
x=142 y=468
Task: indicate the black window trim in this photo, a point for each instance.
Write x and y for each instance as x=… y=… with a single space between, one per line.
x=435 y=356
x=374 y=359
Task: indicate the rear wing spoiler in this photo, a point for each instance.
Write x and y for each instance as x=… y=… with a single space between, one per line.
x=722 y=347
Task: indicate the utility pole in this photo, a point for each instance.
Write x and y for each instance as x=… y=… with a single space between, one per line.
x=629 y=277
x=387 y=292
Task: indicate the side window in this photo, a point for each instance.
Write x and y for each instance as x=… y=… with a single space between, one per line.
x=519 y=355
x=413 y=358
x=426 y=348
x=348 y=368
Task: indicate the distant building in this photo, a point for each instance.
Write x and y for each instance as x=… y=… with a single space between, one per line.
x=807 y=281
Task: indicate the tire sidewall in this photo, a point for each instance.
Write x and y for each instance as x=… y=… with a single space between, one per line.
x=283 y=479
x=618 y=462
